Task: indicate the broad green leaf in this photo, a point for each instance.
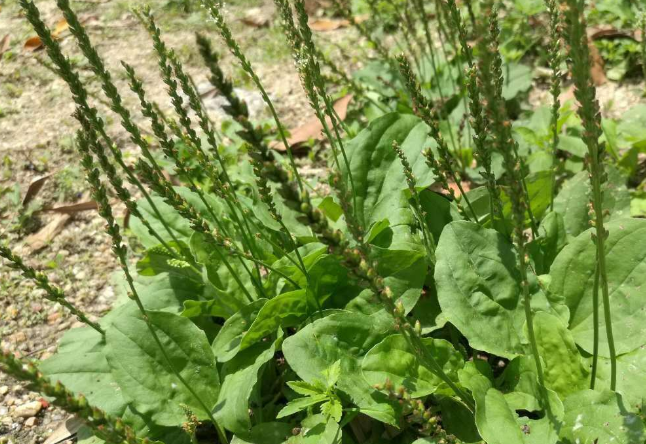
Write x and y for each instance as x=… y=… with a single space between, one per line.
x=600 y=418
x=317 y=429
x=573 y=200
x=439 y=210
x=265 y=433
x=478 y=288
x=495 y=420
x=239 y=377
x=428 y=311
x=377 y=173
x=346 y=337
x=539 y=190
x=224 y=288
x=631 y=378
x=563 y=368
x=458 y=420
x=300 y=404
x=392 y=359
x=227 y=343
x=518 y=78
x=330 y=208
x=572 y=280
x=88 y=374
x=549 y=243
x=159 y=260
x=500 y=411
x=179 y=226
x=285 y=310
x=573 y=145
x=144 y=373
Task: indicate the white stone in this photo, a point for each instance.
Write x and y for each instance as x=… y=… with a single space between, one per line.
x=28 y=410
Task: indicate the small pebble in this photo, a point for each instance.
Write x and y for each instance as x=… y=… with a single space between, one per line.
x=28 y=410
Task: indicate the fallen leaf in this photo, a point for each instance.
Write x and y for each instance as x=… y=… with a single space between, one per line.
x=325 y=24
x=330 y=24
x=34 y=43
x=45 y=235
x=601 y=32
x=65 y=431
x=74 y=208
x=34 y=188
x=5 y=43
x=312 y=128
x=596 y=66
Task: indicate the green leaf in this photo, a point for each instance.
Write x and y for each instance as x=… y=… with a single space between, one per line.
x=159 y=260
x=332 y=373
x=223 y=287
x=285 y=310
x=478 y=287
x=333 y=409
x=458 y=420
x=177 y=224
x=392 y=359
x=631 y=378
x=439 y=210
x=572 y=280
x=239 y=377
x=549 y=243
x=573 y=145
x=563 y=371
x=144 y=374
x=539 y=190
x=300 y=404
x=330 y=208
x=317 y=429
x=518 y=78
x=227 y=343
x=377 y=172
x=265 y=433
x=498 y=409
x=305 y=389
x=89 y=374
x=600 y=418
x=346 y=337
x=573 y=200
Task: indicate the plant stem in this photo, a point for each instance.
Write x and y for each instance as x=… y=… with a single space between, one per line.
x=595 y=331
x=589 y=112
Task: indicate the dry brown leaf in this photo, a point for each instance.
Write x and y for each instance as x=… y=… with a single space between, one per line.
x=65 y=431
x=46 y=234
x=34 y=188
x=74 y=208
x=34 y=43
x=601 y=32
x=596 y=67
x=5 y=43
x=312 y=129
x=330 y=24
x=325 y=24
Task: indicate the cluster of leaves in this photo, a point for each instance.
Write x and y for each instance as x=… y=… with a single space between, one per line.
x=264 y=311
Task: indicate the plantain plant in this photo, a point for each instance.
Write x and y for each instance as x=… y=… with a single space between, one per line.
x=265 y=310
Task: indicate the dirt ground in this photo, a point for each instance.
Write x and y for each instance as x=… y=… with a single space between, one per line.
x=36 y=141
